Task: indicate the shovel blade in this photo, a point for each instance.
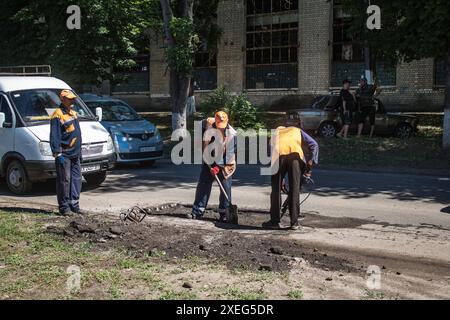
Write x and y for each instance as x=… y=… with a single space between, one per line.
x=232 y=215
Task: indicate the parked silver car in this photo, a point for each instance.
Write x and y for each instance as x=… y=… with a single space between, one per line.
x=324 y=119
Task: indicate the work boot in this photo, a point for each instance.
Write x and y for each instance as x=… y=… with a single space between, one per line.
x=67 y=213
x=223 y=215
x=271 y=225
x=197 y=213
x=196 y=216
x=76 y=210
x=294 y=226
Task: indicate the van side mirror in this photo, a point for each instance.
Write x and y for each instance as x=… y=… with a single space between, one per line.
x=99 y=113
x=2 y=119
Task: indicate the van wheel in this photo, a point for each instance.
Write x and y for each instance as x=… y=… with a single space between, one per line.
x=328 y=130
x=403 y=131
x=96 y=179
x=17 y=179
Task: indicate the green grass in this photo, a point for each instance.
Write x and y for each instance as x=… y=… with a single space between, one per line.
x=34 y=263
x=295 y=294
x=236 y=293
x=423 y=151
x=177 y=295
x=373 y=295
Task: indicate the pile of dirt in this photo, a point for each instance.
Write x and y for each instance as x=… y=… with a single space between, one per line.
x=167 y=232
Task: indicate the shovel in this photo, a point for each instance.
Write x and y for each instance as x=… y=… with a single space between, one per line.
x=232 y=211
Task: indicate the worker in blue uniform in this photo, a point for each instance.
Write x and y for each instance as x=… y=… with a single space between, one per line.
x=65 y=141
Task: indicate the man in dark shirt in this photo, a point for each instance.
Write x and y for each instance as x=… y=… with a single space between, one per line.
x=346 y=108
x=365 y=96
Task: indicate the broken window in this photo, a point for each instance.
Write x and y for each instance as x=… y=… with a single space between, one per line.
x=272 y=44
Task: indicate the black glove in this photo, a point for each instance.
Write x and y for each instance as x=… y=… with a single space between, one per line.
x=306 y=179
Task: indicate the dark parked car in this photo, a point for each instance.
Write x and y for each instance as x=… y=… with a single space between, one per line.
x=323 y=118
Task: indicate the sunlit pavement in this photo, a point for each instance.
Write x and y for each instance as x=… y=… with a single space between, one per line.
x=392 y=198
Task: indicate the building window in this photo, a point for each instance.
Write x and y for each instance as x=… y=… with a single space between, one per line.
x=440 y=73
x=348 y=56
x=205 y=70
x=134 y=79
x=272 y=44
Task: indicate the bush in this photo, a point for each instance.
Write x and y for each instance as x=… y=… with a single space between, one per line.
x=241 y=112
x=215 y=101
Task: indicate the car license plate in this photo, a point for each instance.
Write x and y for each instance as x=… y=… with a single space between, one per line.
x=91 y=168
x=148 y=149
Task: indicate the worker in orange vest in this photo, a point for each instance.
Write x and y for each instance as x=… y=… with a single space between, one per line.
x=294 y=153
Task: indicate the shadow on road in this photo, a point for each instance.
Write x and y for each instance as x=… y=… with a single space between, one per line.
x=361 y=185
x=446 y=210
x=329 y=183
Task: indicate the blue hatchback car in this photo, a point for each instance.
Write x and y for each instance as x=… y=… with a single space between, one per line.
x=135 y=139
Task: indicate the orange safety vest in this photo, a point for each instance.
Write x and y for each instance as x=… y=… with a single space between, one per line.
x=287 y=141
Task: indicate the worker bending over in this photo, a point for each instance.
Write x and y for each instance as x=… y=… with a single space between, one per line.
x=294 y=153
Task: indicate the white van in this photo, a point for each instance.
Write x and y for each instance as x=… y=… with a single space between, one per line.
x=26 y=104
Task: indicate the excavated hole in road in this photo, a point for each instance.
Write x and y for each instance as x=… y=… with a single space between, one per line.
x=256 y=249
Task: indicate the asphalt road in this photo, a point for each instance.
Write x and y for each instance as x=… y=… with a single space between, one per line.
x=392 y=198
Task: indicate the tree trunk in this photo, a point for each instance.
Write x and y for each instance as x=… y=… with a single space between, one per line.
x=446 y=137
x=179 y=84
x=179 y=90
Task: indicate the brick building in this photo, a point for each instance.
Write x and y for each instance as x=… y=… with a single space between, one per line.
x=284 y=52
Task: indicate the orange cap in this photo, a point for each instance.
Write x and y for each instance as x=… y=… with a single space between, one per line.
x=221 y=120
x=67 y=94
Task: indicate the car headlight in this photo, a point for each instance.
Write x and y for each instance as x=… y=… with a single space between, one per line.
x=110 y=144
x=45 y=149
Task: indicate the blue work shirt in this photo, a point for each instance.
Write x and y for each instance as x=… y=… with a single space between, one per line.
x=65 y=133
x=310 y=148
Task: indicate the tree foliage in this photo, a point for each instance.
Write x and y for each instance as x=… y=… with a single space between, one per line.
x=410 y=30
x=241 y=112
x=180 y=55
x=184 y=24
x=35 y=32
x=112 y=32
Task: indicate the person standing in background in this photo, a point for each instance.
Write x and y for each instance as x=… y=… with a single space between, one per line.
x=365 y=95
x=347 y=105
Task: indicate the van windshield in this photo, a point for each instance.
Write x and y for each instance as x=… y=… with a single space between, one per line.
x=37 y=105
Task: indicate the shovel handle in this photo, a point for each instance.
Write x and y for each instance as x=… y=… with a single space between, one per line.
x=220 y=185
